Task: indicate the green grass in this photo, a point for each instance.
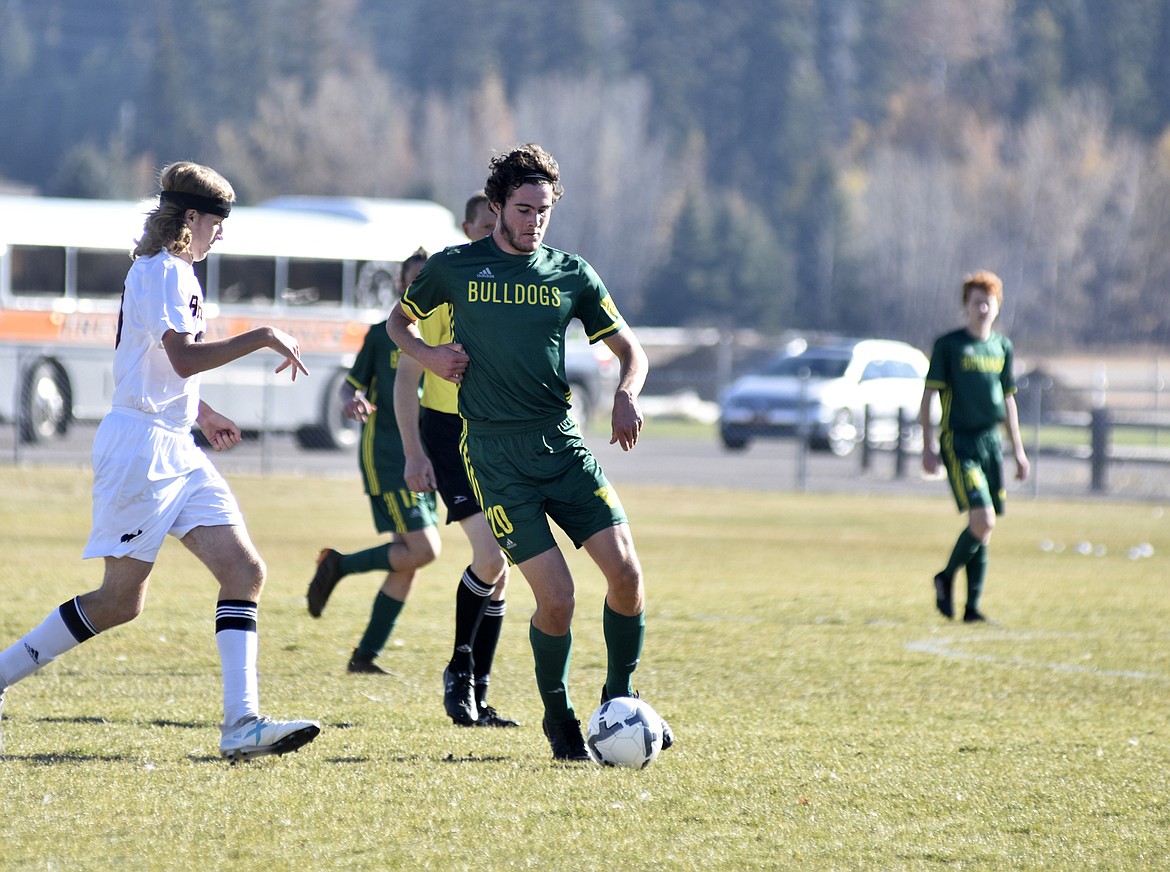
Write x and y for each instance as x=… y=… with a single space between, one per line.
x=826 y=717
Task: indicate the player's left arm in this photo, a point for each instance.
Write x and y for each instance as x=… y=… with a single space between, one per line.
x=1011 y=418
x=218 y=429
x=1011 y=422
x=626 y=420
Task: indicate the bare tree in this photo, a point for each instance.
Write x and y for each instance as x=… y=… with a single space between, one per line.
x=351 y=136
x=621 y=182
x=1055 y=206
x=456 y=138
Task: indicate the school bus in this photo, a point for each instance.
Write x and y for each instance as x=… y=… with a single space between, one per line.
x=322 y=269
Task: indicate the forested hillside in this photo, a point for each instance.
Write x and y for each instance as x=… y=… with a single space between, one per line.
x=808 y=164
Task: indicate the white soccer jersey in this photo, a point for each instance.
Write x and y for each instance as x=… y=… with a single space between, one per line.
x=149 y=477
x=162 y=293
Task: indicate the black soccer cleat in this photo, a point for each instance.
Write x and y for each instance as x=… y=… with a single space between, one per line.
x=489 y=717
x=566 y=740
x=324 y=580
x=360 y=663
x=974 y=616
x=459 y=697
x=944 y=595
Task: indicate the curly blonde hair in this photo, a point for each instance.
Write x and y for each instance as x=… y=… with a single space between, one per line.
x=165 y=226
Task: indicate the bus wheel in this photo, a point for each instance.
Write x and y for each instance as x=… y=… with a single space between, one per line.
x=45 y=403
x=335 y=430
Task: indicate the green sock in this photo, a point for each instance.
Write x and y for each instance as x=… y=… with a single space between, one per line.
x=976 y=574
x=369 y=560
x=964 y=550
x=551 y=655
x=623 y=645
x=383 y=617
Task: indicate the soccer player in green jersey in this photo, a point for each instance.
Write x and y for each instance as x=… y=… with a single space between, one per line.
x=512 y=299
x=411 y=517
x=971 y=372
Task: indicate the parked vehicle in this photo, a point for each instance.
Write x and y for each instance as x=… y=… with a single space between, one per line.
x=822 y=393
x=322 y=270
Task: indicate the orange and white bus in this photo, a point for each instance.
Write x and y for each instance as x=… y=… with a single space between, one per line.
x=323 y=269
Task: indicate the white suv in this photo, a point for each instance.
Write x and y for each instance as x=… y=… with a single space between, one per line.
x=823 y=392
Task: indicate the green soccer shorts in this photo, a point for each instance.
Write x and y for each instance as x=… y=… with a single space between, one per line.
x=974 y=464
x=402 y=511
x=525 y=477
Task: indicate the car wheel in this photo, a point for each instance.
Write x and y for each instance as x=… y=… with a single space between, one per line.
x=45 y=403
x=842 y=433
x=733 y=441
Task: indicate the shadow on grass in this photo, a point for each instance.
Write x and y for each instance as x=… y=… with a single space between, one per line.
x=474 y=758
x=70 y=757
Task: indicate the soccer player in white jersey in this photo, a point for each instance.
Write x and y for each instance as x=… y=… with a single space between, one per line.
x=150 y=478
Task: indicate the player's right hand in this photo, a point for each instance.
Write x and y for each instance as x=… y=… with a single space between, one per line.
x=448 y=361
x=419 y=474
x=358 y=408
x=288 y=347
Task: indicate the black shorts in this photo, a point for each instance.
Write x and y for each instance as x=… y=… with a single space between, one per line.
x=441 y=433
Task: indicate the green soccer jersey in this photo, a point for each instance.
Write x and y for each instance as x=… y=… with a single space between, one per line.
x=510 y=315
x=972 y=377
x=381 y=456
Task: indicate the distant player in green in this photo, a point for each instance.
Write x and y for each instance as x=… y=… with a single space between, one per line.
x=971 y=373
x=368 y=396
x=512 y=299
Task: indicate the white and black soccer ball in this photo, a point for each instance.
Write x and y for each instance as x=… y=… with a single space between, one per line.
x=624 y=731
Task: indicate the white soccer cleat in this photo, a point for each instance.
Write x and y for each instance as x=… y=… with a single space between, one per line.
x=258 y=735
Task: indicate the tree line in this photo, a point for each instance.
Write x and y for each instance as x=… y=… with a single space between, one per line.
x=778 y=164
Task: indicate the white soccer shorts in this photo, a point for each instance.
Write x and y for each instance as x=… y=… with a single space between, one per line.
x=149 y=480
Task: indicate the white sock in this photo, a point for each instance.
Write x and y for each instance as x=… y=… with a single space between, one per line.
x=64 y=628
x=239 y=644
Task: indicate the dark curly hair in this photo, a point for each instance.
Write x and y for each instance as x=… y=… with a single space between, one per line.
x=523 y=164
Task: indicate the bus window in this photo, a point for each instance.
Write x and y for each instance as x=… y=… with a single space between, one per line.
x=39 y=270
x=101 y=274
x=377 y=285
x=313 y=281
x=249 y=280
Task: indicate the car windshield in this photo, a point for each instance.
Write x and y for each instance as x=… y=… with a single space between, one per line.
x=818 y=365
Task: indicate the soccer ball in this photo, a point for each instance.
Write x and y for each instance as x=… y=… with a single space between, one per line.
x=624 y=731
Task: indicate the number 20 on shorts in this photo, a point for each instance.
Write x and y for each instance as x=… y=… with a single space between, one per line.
x=498 y=518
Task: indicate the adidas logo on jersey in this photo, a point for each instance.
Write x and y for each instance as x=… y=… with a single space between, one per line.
x=485 y=273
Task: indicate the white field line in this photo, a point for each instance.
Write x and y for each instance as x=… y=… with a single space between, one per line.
x=950 y=646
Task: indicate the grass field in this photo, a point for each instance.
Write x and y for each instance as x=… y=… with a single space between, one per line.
x=826 y=717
